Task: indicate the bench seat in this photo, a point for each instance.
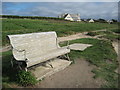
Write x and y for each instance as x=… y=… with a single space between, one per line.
x=47 y=56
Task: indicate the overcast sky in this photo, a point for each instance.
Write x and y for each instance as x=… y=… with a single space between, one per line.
x=106 y=10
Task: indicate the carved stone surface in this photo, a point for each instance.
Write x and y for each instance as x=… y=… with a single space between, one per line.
x=36 y=47
x=79 y=46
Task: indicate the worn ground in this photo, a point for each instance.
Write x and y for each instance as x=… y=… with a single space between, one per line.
x=77 y=75
x=116 y=46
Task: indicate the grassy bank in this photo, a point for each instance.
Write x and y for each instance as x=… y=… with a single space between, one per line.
x=102 y=55
x=20 y=26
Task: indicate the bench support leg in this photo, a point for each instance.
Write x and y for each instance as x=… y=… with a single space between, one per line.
x=49 y=64
x=12 y=61
x=26 y=69
x=19 y=67
x=68 y=57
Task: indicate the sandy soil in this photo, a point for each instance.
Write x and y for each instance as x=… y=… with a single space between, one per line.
x=77 y=75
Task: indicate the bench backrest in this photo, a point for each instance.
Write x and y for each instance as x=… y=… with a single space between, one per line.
x=34 y=44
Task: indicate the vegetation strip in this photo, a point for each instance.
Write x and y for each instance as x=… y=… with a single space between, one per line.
x=63 y=28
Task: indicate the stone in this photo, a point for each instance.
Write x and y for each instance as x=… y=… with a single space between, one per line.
x=79 y=46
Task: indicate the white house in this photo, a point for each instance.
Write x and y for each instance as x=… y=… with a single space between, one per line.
x=91 y=21
x=110 y=21
x=71 y=17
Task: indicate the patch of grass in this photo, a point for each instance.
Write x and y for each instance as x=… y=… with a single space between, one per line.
x=92 y=33
x=7 y=70
x=12 y=74
x=26 y=78
x=5 y=85
x=112 y=37
x=8 y=73
x=9 y=86
x=103 y=51
x=116 y=30
x=106 y=34
x=109 y=76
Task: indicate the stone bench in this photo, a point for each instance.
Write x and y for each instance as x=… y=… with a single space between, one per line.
x=35 y=48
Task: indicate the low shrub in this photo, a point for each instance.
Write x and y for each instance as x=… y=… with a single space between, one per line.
x=26 y=78
x=92 y=33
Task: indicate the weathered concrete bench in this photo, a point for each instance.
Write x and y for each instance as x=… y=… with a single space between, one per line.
x=35 y=48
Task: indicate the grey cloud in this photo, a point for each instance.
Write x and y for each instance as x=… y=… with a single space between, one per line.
x=85 y=9
x=60 y=0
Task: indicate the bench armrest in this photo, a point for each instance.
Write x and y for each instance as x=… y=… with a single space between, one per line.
x=21 y=51
x=68 y=45
x=18 y=50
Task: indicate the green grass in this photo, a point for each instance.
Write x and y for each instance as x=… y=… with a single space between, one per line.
x=21 y=26
x=8 y=73
x=109 y=34
x=116 y=30
x=112 y=37
x=11 y=75
x=25 y=78
x=103 y=56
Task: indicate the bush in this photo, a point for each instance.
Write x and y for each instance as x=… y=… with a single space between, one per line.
x=26 y=78
x=92 y=33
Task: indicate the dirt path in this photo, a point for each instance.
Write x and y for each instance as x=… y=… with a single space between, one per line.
x=77 y=75
x=116 y=46
x=5 y=48
x=73 y=37
x=78 y=36
x=61 y=39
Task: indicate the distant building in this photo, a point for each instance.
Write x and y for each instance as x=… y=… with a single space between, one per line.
x=110 y=21
x=91 y=21
x=71 y=17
